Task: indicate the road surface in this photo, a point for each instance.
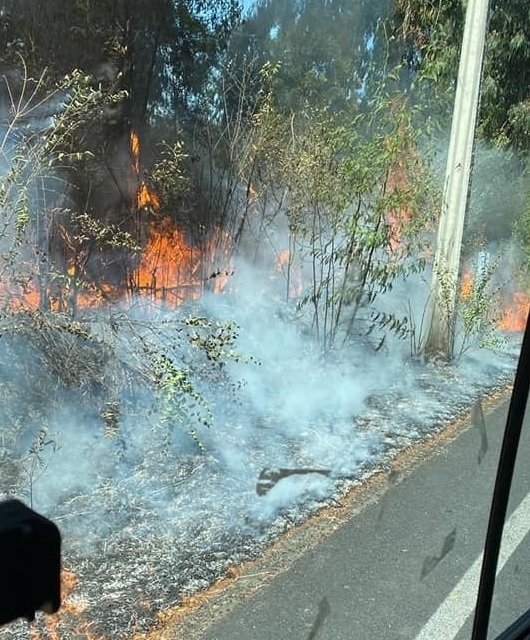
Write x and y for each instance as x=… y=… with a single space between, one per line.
x=405 y=567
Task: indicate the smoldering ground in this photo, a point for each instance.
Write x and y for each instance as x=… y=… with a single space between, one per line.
x=153 y=506
x=147 y=510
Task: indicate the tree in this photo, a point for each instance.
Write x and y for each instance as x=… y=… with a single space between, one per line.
x=326 y=50
x=53 y=353
x=148 y=61
x=505 y=106
x=159 y=51
x=348 y=209
x=430 y=35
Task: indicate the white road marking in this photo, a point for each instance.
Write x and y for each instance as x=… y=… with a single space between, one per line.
x=452 y=614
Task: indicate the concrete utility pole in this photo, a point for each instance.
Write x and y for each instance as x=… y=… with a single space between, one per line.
x=442 y=299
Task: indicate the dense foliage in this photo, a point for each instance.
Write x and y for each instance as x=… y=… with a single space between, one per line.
x=431 y=34
x=291 y=136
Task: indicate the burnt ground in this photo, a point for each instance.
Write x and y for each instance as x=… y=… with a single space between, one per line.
x=155 y=526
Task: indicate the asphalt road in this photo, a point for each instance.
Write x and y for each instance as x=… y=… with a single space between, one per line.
x=405 y=567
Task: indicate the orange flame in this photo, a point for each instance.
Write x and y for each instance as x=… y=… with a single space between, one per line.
x=466 y=285
x=135 y=151
x=398 y=180
x=514 y=317
x=173 y=270
x=169 y=265
x=72 y=609
x=284 y=257
x=146 y=198
x=170 y=268
x=217 y=250
x=284 y=266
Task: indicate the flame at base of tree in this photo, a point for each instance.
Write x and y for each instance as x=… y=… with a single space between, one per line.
x=146 y=198
x=466 y=285
x=514 y=310
x=172 y=270
x=169 y=266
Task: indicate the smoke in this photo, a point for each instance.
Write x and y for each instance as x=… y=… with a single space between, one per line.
x=192 y=501
x=294 y=410
x=147 y=511
x=345 y=411
x=497 y=195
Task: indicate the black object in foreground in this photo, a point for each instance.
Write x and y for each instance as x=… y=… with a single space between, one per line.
x=501 y=495
x=30 y=563
x=268 y=478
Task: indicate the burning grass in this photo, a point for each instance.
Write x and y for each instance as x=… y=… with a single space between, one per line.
x=149 y=516
x=514 y=315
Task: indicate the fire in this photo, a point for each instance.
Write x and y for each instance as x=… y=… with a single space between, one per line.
x=135 y=151
x=466 y=285
x=145 y=198
x=398 y=181
x=169 y=266
x=173 y=270
x=514 y=317
x=284 y=258
x=215 y=251
x=292 y=274
x=71 y=613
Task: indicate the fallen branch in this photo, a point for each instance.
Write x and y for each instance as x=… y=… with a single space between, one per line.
x=269 y=478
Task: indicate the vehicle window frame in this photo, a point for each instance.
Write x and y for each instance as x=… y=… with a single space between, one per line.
x=520 y=628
